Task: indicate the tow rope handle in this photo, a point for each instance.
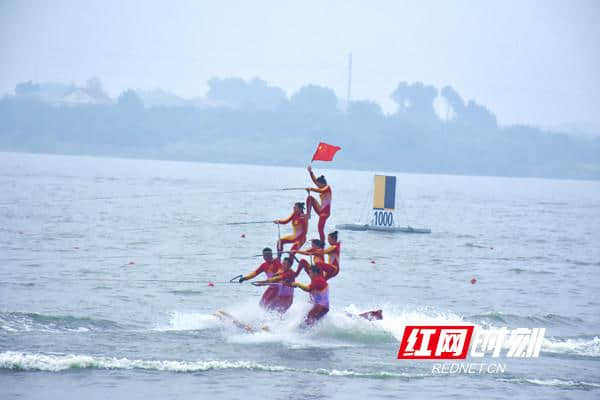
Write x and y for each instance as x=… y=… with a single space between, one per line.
x=265 y=283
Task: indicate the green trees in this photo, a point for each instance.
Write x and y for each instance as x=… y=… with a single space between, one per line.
x=252 y=122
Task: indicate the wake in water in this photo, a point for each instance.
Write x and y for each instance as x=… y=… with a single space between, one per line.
x=339 y=329
x=18 y=361
x=558 y=383
x=56 y=363
x=344 y=328
x=583 y=347
x=343 y=324
x=34 y=322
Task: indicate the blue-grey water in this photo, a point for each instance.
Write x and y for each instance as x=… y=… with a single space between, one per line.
x=105 y=267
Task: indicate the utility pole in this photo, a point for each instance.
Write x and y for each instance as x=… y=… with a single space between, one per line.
x=349 y=80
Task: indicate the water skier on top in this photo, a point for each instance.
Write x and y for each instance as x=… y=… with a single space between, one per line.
x=322 y=209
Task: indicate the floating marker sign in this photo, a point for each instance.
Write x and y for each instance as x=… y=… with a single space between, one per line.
x=384 y=200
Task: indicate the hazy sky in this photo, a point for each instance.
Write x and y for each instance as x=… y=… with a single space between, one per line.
x=534 y=62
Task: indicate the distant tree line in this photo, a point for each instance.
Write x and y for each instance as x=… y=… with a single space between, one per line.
x=252 y=122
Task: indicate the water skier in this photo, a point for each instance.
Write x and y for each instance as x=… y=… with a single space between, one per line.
x=319 y=295
x=318 y=259
x=333 y=254
x=270 y=267
x=322 y=209
x=299 y=222
x=285 y=278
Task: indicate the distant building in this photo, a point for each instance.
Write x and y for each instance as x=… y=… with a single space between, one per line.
x=62 y=94
x=79 y=96
x=76 y=96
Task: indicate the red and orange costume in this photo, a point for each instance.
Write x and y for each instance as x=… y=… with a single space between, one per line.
x=333 y=258
x=322 y=209
x=328 y=270
x=319 y=296
x=269 y=297
x=299 y=227
x=285 y=294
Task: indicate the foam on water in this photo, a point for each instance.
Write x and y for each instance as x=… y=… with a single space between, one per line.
x=345 y=329
x=189 y=321
x=580 y=347
x=19 y=361
x=338 y=328
x=567 y=384
x=61 y=362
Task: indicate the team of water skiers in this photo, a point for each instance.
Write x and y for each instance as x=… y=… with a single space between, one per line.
x=281 y=277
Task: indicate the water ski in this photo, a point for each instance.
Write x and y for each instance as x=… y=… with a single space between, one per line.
x=225 y=316
x=374 y=315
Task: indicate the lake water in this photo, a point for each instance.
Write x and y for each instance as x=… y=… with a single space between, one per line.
x=105 y=267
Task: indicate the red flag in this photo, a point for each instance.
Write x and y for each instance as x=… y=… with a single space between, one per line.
x=325 y=152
